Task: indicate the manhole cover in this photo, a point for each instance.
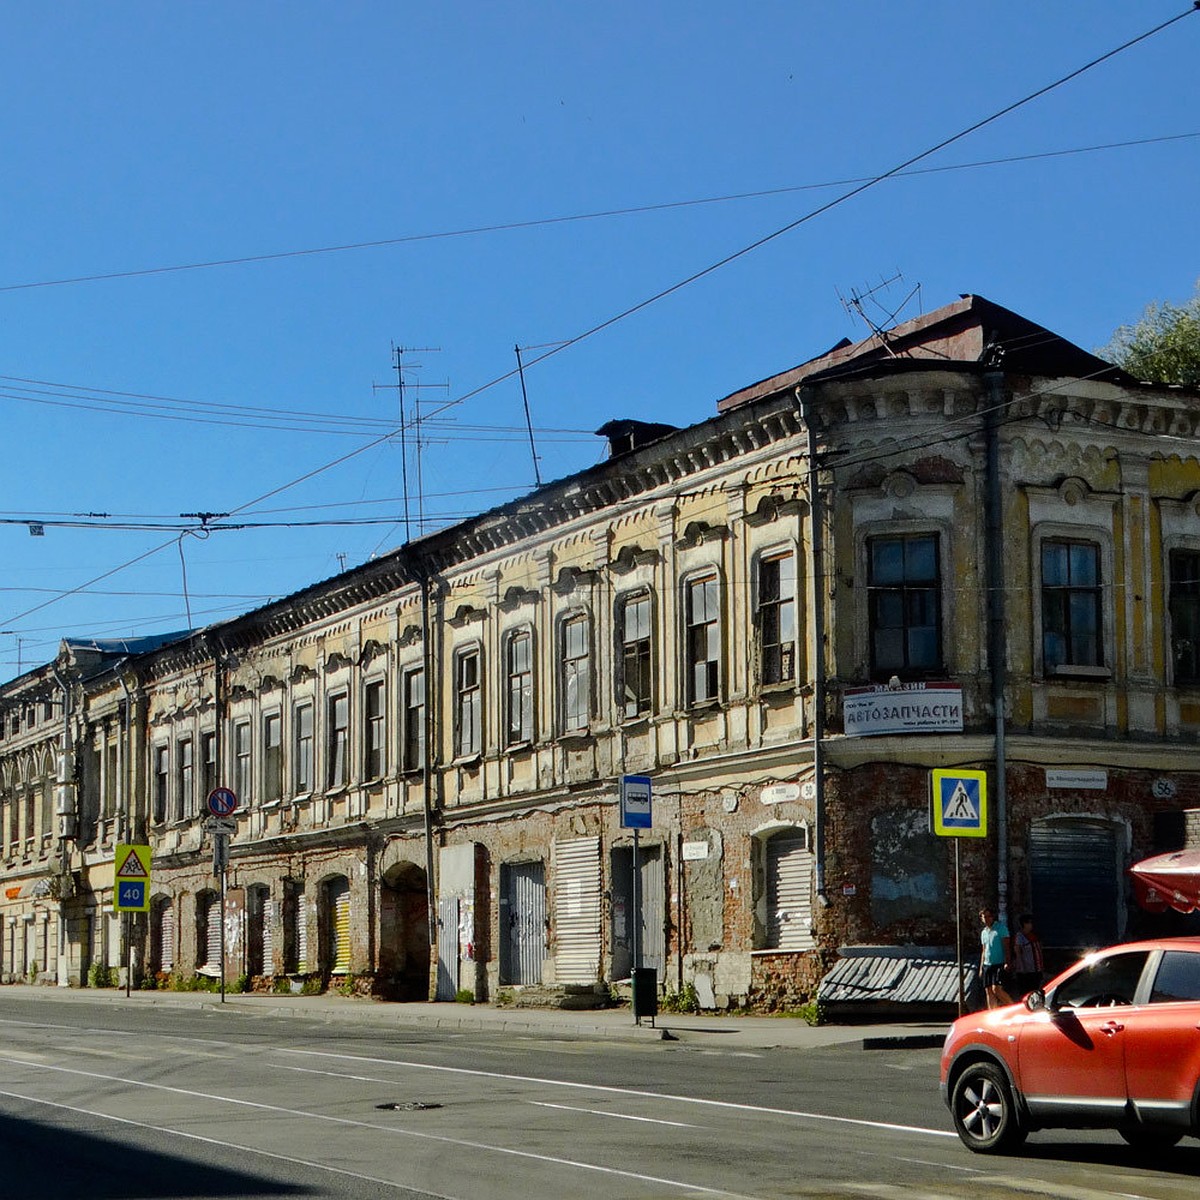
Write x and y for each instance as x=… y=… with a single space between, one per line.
x=408 y=1106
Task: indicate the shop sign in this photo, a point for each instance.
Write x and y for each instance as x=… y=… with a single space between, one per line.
x=909 y=708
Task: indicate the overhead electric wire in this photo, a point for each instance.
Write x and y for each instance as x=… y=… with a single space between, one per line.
x=601 y=214
x=647 y=302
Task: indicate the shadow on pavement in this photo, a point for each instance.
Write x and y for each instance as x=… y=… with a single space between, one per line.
x=52 y=1159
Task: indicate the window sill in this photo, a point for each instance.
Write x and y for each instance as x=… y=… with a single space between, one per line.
x=302 y=798
x=1081 y=672
x=638 y=724
x=703 y=708
x=576 y=737
x=472 y=760
x=783 y=690
x=267 y=805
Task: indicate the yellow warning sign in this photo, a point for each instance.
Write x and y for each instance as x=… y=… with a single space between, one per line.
x=133 y=862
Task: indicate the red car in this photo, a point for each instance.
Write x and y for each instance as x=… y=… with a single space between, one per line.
x=1112 y=1043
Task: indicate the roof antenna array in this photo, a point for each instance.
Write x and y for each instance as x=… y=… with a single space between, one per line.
x=403 y=386
x=856 y=304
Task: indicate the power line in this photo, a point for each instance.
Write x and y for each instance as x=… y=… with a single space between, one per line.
x=601 y=214
x=758 y=243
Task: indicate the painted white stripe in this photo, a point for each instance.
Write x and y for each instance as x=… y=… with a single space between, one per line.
x=620 y=1091
x=599 y=1112
x=549 y=1159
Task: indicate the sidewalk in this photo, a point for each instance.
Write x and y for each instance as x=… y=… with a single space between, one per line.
x=724 y=1032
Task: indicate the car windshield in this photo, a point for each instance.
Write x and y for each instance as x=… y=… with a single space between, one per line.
x=1109 y=981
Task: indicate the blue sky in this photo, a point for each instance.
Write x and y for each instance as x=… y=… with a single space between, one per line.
x=148 y=136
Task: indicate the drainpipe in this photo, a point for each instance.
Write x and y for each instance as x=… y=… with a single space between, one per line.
x=67 y=817
x=997 y=642
x=805 y=398
x=427 y=759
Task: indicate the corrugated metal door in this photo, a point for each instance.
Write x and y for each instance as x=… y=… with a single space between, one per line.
x=577 y=910
x=789 y=893
x=267 y=916
x=1074 y=882
x=166 y=955
x=301 y=935
x=523 y=922
x=339 y=926
x=212 y=930
x=447 y=944
x=651 y=910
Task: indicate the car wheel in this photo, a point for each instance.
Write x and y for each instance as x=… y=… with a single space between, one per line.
x=985 y=1113
x=1147 y=1139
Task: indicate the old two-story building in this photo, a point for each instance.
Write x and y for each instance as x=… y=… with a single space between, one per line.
x=965 y=544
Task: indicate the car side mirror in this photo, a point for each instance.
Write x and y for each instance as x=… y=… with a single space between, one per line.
x=1036 y=1000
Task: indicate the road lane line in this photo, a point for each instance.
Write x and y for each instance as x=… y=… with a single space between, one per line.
x=549 y=1159
x=620 y=1091
x=599 y=1112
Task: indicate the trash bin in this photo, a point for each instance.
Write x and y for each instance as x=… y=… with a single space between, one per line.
x=645 y=993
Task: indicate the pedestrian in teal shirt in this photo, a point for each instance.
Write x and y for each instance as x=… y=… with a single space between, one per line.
x=994 y=955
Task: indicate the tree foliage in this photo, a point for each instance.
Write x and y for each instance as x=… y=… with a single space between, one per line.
x=1163 y=347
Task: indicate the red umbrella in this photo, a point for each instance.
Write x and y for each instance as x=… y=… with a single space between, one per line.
x=1168 y=881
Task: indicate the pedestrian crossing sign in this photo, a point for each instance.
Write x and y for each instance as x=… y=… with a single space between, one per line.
x=959 y=803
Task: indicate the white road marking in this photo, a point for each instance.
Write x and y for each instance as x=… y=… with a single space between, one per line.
x=600 y=1112
x=552 y=1160
x=620 y=1091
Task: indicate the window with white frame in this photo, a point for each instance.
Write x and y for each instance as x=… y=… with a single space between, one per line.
x=702 y=646
x=575 y=674
x=162 y=782
x=776 y=617
x=242 y=761
x=1185 y=615
x=1071 y=605
x=272 y=783
x=374 y=730
x=468 y=703
x=635 y=644
x=412 y=706
x=518 y=680
x=337 y=740
x=185 y=780
x=302 y=766
x=904 y=608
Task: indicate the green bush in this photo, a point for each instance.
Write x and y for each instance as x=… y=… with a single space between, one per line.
x=102 y=976
x=464 y=996
x=683 y=1001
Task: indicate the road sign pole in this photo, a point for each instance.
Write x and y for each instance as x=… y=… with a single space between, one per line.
x=128 y=952
x=222 y=919
x=962 y=1006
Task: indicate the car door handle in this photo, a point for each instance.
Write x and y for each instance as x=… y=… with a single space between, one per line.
x=1111 y=1027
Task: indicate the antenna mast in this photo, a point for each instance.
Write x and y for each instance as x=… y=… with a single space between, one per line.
x=402 y=386
x=537 y=474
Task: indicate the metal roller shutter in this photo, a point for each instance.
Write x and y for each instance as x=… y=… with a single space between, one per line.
x=212 y=929
x=1074 y=882
x=789 y=893
x=577 y=910
x=339 y=924
x=166 y=954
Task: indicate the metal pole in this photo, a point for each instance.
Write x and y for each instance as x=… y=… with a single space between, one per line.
x=128 y=950
x=537 y=474
x=222 y=919
x=637 y=908
x=962 y=1006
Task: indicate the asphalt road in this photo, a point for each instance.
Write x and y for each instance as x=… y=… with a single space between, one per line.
x=107 y=1103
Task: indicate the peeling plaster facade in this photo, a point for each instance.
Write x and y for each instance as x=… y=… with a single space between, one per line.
x=427 y=749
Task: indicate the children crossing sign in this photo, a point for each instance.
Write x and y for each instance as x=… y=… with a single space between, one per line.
x=131 y=881
x=959 y=803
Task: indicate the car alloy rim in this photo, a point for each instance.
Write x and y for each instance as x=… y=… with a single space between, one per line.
x=983 y=1109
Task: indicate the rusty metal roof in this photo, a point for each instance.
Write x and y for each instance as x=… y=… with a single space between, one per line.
x=895 y=975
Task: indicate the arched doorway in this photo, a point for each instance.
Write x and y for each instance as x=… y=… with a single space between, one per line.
x=404 y=934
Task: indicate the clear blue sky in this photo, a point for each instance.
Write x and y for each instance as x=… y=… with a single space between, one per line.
x=142 y=136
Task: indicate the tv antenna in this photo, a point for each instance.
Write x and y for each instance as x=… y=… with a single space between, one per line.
x=403 y=386
x=856 y=304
